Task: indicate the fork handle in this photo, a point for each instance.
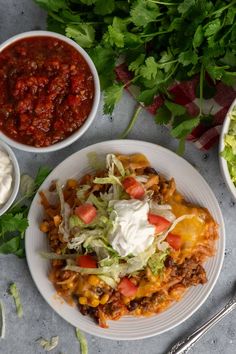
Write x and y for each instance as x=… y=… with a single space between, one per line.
x=184 y=345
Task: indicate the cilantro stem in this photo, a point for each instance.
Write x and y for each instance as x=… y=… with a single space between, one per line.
x=164 y=3
x=222 y=8
x=131 y=123
x=154 y=34
x=202 y=75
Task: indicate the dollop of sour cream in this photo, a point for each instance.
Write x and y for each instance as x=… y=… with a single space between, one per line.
x=6 y=172
x=131 y=233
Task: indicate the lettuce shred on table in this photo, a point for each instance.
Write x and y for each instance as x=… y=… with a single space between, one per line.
x=229 y=152
x=2 y=320
x=16 y=296
x=83 y=342
x=50 y=344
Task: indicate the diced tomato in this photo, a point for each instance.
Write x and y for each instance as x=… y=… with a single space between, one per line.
x=160 y=223
x=86 y=212
x=133 y=188
x=86 y=261
x=127 y=288
x=174 y=241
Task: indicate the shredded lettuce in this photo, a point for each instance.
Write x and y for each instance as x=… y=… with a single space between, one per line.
x=163 y=210
x=97 y=162
x=108 y=280
x=112 y=162
x=138 y=262
x=2 y=320
x=156 y=262
x=83 y=342
x=16 y=296
x=65 y=213
x=80 y=192
x=229 y=152
x=50 y=344
x=107 y=180
x=51 y=255
x=100 y=204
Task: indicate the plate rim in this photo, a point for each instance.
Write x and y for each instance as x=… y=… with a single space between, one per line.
x=221 y=222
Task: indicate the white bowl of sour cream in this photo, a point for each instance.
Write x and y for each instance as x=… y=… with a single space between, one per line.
x=9 y=177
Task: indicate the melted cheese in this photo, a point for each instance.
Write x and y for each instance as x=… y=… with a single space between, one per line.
x=191 y=230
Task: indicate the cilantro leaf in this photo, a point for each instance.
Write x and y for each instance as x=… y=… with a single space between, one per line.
x=11 y=247
x=135 y=65
x=52 y=5
x=147 y=96
x=163 y=115
x=185 y=127
x=41 y=175
x=88 y=2
x=174 y=108
x=10 y=222
x=185 y=6
x=143 y=12
x=82 y=33
x=188 y=57
x=212 y=27
x=115 y=37
x=104 y=7
x=198 y=37
x=149 y=69
x=104 y=60
x=112 y=96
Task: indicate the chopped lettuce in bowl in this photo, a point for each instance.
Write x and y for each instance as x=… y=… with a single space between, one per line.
x=228 y=149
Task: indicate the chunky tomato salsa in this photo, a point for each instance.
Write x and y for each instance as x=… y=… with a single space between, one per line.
x=47 y=91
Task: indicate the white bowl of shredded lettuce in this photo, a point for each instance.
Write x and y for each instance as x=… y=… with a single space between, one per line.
x=227 y=149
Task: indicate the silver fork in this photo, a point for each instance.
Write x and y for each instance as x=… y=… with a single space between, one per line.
x=184 y=345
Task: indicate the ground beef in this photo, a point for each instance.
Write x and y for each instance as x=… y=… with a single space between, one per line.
x=191 y=272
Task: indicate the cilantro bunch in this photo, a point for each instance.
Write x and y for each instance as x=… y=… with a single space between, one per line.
x=160 y=41
x=14 y=222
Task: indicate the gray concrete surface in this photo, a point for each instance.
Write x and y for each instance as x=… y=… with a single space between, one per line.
x=39 y=320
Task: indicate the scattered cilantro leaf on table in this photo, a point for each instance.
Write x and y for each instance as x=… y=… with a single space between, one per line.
x=14 y=222
x=160 y=41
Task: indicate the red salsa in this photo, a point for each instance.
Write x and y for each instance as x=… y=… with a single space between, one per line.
x=47 y=91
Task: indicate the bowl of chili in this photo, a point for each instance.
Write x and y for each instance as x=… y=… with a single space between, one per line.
x=50 y=91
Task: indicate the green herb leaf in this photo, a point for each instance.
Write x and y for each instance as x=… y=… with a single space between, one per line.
x=188 y=57
x=163 y=115
x=185 y=127
x=147 y=96
x=198 y=37
x=135 y=65
x=212 y=27
x=143 y=12
x=104 y=7
x=176 y=109
x=41 y=175
x=112 y=96
x=149 y=69
x=82 y=33
x=52 y=5
x=10 y=222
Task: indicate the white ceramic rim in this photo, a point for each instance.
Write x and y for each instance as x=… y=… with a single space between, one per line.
x=223 y=163
x=194 y=303
x=16 y=177
x=77 y=134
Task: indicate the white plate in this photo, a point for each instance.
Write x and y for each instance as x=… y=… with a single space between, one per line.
x=223 y=163
x=189 y=183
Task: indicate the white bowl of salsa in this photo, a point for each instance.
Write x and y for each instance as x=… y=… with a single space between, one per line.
x=50 y=91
